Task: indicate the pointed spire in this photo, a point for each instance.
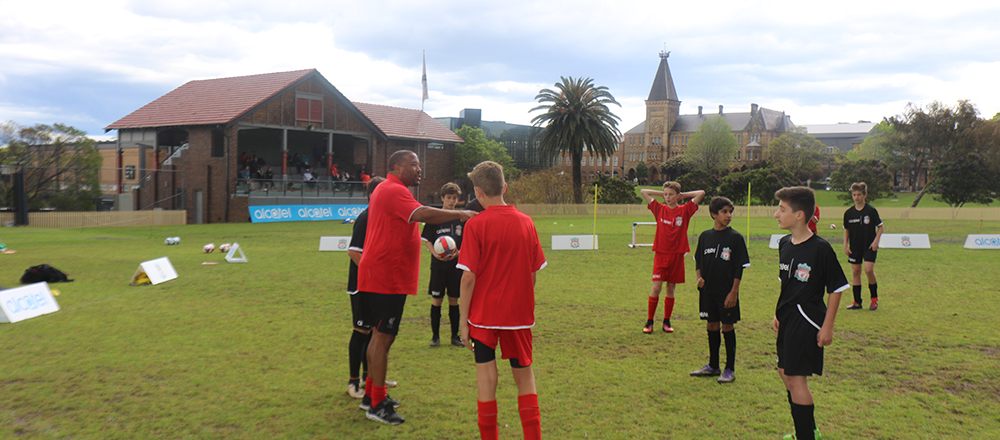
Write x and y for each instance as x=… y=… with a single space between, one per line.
x=663 y=83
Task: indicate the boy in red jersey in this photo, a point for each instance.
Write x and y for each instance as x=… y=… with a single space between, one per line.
x=500 y=255
x=670 y=245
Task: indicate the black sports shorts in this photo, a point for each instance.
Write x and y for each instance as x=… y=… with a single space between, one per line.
x=360 y=312
x=798 y=352
x=712 y=308
x=867 y=254
x=386 y=311
x=445 y=278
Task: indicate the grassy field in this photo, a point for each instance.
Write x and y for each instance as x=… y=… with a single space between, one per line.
x=258 y=350
x=901 y=200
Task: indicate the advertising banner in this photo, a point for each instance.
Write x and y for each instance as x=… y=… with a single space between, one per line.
x=298 y=213
x=334 y=243
x=904 y=241
x=574 y=242
x=27 y=302
x=990 y=241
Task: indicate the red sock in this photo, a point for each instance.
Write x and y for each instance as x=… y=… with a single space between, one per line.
x=652 y=307
x=378 y=395
x=368 y=388
x=668 y=307
x=488 y=428
x=531 y=419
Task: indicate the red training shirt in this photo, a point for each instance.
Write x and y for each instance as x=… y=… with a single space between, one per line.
x=390 y=263
x=500 y=246
x=811 y=224
x=672 y=226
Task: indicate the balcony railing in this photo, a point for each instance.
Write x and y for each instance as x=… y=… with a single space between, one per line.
x=289 y=188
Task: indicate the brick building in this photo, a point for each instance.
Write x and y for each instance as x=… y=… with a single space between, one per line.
x=198 y=133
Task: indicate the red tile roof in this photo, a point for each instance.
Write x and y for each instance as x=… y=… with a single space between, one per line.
x=407 y=123
x=210 y=101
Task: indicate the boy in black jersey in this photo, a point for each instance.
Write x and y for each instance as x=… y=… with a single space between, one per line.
x=360 y=312
x=720 y=258
x=862 y=232
x=445 y=276
x=807 y=268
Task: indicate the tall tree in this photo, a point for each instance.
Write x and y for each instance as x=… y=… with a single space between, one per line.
x=59 y=162
x=712 y=148
x=875 y=174
x=575 y=119
x=477 y=148
x=923 y=136
x=762 y=182
x=799 y=153
x=964 y=180
x=673 y=168
x=641 y=172
x=876 y=145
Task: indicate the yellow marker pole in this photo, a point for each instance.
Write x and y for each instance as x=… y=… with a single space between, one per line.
x=594 y=244
x=748 y=211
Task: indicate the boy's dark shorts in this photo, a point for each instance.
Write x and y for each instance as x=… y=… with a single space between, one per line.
x=712 y=308
x=867 y=254
x=386 y=311
x=360 y=311
x=445 y=278
x=798 y=352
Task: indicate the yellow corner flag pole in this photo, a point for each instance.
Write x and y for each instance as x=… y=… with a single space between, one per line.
x=594 y=244
x=748 y=211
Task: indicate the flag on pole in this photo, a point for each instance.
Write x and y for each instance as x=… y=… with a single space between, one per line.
x=423 y=82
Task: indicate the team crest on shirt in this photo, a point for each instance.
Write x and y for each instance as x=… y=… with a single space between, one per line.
x=678 y=221
x=802 y=273
x=725 y=254
x=867 y=220
x=458 y=230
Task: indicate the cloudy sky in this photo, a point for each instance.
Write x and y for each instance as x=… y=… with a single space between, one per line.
x=89 y=63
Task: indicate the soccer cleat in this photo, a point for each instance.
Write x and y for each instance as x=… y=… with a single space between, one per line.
x=457 y=341
x=385 y=413
x=355 y=391
x=648 y=328
x=666 y=326
x=874 y=305
x=816 y=434
x=727 y=376
x=435 y=342
x=706 y=371
x=854 y=306
x=366 y=402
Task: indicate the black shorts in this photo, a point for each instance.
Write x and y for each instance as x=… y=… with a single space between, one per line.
x=386 y=311
x=712 y=308
x=360 y=312
x=867 y=254
x=445 y=278
x=798 y=352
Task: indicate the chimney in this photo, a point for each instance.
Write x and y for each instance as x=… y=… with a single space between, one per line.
x=699 y=110
x=720 y=109
x=753 y=108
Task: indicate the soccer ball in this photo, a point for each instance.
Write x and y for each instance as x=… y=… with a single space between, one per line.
x=445 y=245
x=172 y=240
x=833 y=226
x=224 y=247
x=208 y=248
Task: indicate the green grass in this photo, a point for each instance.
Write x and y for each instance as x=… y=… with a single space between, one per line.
x=900 y=200
x=258 y=350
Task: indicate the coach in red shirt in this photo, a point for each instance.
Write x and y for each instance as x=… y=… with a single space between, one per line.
x=390 y=267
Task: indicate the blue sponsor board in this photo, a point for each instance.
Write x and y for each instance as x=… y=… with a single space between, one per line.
x=299 y=213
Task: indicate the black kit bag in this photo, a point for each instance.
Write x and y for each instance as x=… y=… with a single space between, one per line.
x=43 y=272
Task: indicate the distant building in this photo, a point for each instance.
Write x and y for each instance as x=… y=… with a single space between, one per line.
x=665 y=133
x=518 y=139
x=839 y=138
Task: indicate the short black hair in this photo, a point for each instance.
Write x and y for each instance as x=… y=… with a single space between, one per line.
x=718 y=203
x=398 y=158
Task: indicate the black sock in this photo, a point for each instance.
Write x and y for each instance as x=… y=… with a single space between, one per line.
x=805 y=423
x=714 y=340
x=364 y=355
x=857 y=293
x=873 y=288
x=355 y=353
x=454 y=315
x=730 y=338
x=435 y=320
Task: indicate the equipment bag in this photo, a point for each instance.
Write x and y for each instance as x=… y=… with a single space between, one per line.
x=43 y=272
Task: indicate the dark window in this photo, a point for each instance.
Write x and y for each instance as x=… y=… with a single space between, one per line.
x=130 y=172
x=218 y=144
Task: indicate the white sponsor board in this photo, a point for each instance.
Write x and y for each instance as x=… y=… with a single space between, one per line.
x=158 y=271
x=334 y=243
x=574 y=242
x=775 y=238
x=904 y=241
x=989 y=241
x=27 y=302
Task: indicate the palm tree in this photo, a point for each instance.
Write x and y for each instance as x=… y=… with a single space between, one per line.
x=576 y=119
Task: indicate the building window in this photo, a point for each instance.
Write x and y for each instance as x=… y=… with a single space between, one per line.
x=591 y=160
x=616 y=160
x=583 y=162
x=738 y=154
x=218 y=144
x=129 y=172
x=309 y=107
x=739 y=139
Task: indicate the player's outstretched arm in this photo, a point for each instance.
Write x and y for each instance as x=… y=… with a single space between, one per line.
x=432 y=215
x=464 y=301
x=825 y=336
x=648 y=194
x=695 y=196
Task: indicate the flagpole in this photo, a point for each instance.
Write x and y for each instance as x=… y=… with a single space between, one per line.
x=749 y=185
